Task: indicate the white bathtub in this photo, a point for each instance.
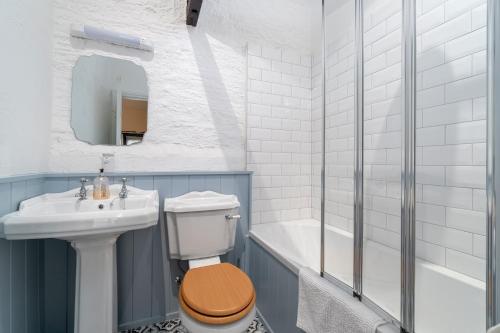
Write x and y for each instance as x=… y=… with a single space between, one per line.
x=446 y=301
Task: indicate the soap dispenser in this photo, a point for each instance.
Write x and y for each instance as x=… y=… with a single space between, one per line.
x=101 y=187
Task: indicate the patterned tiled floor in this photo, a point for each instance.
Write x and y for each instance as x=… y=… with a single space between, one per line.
x=175 y=326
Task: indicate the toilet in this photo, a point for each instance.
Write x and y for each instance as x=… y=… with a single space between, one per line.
x=213 y=296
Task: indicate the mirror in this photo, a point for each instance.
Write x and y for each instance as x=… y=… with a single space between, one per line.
x=109 y=102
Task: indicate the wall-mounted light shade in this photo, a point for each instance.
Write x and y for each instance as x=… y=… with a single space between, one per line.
x=112 y=37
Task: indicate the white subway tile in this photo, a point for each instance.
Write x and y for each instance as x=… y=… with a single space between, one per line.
x=479 y=246
x=448 y=113
x=372 y=126
x=270 y=76
x=254 y=73
x=479 y=154
x=254 y=97
x=387 y=205
x=457 y=7
x=448 y=196
x=466 y=176
x=281 y=89
x=374 y=33
x=479 y=62
x=387 y=75
x=260 y=86
x=447 y=237
x=471 y=87
x=430 y=4
x=374 y=218
x=301 y=70
x=430 y=213
x=433 y=175
x=375 y=95
x=479 y=108
x=430 y=19
x=259 y=110
x=259 y=62
x=386 y=107
x=468 y=44
x=253 y=121
x=375 y=64
x=479 y=200
x=281 y=67
x=393 y=56
x=466 y=220
x=447 y=31
x=479 y=16
x=451 y=71
x=469 y=132
x=260 y=134
x=430 y=97
x=430 y=58
x=291 y=80
x=272 y=100
x=271 y=123
x=430 y=136
x=386 y=43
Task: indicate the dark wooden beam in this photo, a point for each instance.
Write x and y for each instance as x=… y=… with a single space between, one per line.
x=193 y=11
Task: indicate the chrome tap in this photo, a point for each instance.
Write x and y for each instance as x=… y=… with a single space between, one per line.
x=82 y=195
x=123 y=192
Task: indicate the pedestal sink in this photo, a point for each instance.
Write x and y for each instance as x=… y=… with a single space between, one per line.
x=92 y=227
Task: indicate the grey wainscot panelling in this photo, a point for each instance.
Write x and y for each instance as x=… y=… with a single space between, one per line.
x=37 y=277
x=20 y=269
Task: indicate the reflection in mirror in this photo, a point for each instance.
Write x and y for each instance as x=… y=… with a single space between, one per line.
x=109 y=104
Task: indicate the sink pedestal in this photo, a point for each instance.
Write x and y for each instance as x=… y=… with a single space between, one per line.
x=95 y=284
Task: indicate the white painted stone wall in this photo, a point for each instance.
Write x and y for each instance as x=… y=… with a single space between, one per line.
x=25 y=85
x=279 y=133
x=197 y=78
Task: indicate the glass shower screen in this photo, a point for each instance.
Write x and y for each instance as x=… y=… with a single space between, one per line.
x=451 y=167
x=339 y=139
x=382 y=153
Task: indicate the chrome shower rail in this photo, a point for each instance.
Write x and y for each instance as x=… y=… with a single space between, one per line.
x=323 y=134
x=408 y=93
x=358 y=147
x=491 y=163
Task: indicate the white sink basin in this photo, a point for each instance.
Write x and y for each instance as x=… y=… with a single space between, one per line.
x=63 y=216
x=92 y=227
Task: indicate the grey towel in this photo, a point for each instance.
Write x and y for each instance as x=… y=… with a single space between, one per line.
x=325 y=308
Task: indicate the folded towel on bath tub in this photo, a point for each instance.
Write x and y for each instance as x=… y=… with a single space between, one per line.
x=325 y=308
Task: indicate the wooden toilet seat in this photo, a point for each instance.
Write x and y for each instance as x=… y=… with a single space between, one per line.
x=217 y=294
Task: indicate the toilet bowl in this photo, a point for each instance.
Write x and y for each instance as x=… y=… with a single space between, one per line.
x=214 y=297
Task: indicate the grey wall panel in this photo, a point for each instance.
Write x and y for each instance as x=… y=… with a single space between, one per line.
x=19 y=265
x=277 y=290
x=37 y=278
